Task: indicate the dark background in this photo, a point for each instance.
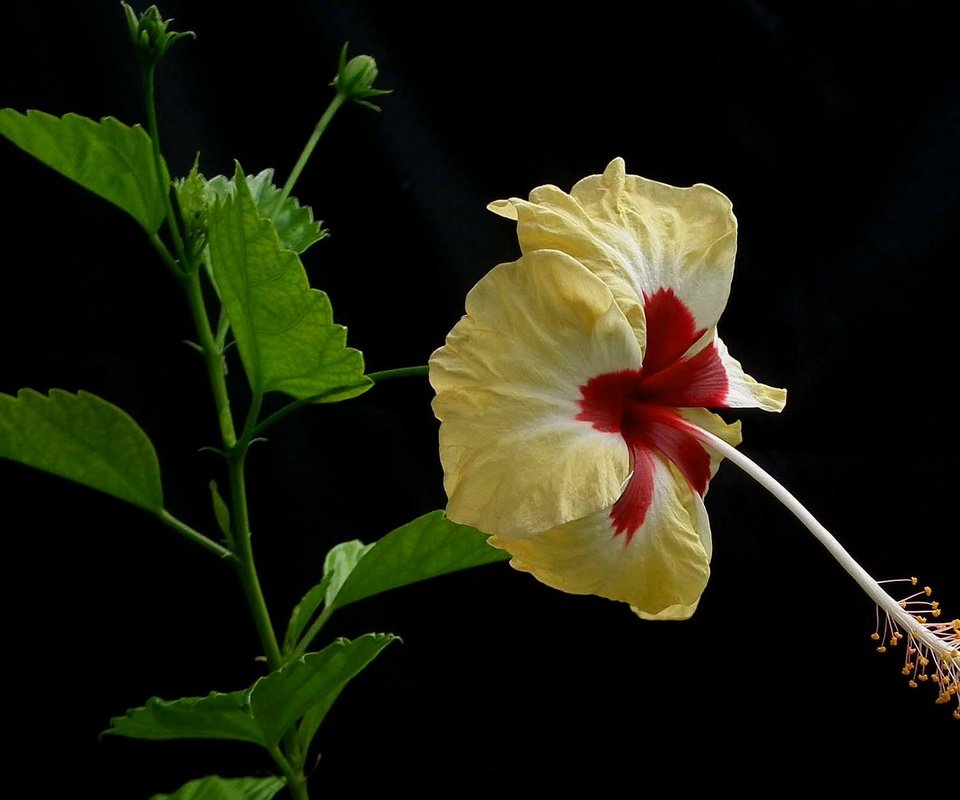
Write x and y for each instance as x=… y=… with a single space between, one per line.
x=834 y=132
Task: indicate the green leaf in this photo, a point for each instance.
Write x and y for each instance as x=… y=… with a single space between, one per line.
x=337 y=567
x=216 y=716
x=109 y=158
x=215 y=788
x=84 y=439
x=427 y=547
x=348 y=665
x=284 y=330
x=263 y=713
x=295 y=224
x=312 y=681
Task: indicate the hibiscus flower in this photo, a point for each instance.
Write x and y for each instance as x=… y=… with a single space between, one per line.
x=573 y=392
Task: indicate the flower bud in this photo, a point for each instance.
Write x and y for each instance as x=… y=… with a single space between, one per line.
x=149 y=34
x=354 y=79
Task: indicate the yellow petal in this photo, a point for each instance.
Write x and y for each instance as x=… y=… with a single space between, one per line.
x=638 y=236
x=516 y=460
x=660 y=571
x=742 y=390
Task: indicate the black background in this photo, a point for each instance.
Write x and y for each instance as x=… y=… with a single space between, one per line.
x=834 y=132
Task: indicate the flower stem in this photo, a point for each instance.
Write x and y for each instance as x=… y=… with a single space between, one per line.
x=866 y=582
x=338 y=100
x=162 y=179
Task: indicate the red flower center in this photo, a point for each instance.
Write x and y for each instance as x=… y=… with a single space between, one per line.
x=641 y=405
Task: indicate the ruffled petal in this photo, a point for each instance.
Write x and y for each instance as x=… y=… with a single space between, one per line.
x=639 y=236
x=516 y=459
x=661 y=570
x=742 y=390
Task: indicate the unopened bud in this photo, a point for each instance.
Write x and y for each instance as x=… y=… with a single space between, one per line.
x=355 y=78
x=149 y=34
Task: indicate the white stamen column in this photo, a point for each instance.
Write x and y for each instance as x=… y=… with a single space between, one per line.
x=941 y=648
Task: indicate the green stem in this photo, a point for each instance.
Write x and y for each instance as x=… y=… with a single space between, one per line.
x=212 y=358
x=236 y=458
x=338 y=100
x=401 y=372
x=163 y=180
x=246 y=568
x=195 y=536
x=296 y=782
x=235 y=452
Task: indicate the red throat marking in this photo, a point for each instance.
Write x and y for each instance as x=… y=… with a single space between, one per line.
x=641 y=405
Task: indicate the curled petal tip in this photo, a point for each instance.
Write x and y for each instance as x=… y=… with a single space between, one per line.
x=504 y=208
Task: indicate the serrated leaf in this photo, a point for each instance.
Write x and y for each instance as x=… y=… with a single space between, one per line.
x=284 y=330
x=219 y=715
x=216 y=788
x=281 y=699
x=348 y=665
x=83 y=438
x=427 y=547
x=263 y=713
x=295 y=224
x=109 y=158
x=296 y=227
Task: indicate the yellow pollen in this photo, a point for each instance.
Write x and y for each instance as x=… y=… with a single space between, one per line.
x=932 y=648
